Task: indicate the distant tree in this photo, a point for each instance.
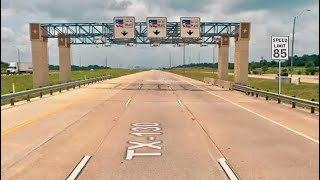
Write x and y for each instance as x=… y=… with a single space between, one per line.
x=4 y=64
x=311 y=70
x=253 y=66
x=309 y=64
x=273 y=64
x=264 y=69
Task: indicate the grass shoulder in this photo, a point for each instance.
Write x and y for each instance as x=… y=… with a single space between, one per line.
x=24 y=82
x=306 y=91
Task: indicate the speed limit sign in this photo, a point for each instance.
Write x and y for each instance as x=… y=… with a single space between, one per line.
x=279 y=47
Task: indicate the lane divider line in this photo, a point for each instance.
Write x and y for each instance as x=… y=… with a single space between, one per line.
x=227 y=169
x=77 y=170
x=180 y=103
x=42 y=116
x=128 y=101
x=274 y=122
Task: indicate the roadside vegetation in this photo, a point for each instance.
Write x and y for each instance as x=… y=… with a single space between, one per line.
x=4 y=66
x=302 y=65
x=306 y=91
x=24 y=82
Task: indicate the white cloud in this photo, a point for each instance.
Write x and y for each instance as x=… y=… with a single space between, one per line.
x=7 y=12
x=7 y=34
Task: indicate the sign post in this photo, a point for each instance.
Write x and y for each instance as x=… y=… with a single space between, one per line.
x=279 y=78
x=279 y=51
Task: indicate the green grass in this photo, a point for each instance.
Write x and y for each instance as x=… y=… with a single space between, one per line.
x=306 y=91
x=274 y=70
x=3 y=70
x=194 y=73
x=24 y=82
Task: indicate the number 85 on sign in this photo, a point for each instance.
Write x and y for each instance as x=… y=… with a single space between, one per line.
x=279 y=47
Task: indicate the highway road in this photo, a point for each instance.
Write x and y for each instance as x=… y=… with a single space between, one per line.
x=157 y=125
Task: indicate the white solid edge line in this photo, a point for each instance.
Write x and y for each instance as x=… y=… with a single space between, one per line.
x=227 y=169
x=128 y=101
x=281 y=125
x=79 y=167
x=180 y=103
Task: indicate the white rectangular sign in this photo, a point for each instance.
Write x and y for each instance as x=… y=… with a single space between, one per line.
x=156 y=27
x=124 y=27
x=279 y=47
x=190 y=27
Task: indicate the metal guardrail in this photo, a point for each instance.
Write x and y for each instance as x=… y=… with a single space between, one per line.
x=293 y=100
x=50 y=89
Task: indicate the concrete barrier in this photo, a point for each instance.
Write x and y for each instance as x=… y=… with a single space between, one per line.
x=219 y=83
x=284 y=79
x=209 y=80
x=295 y=80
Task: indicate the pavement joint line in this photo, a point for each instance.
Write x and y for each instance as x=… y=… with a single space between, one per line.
x=274 y=122
x=128 y=101
x=227 y=169
x=180 y=103
x=42 y=116
x=77 y=170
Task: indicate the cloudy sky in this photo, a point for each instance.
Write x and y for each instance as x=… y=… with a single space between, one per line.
x=272 y=17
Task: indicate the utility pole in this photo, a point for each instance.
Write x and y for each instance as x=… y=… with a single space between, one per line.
x=19 y=56
x=106 y=61
x=199 y=61
x=291 y=65
x=184 y=58
x=292 y=46
x=70 y=55
x=170 y=59
x=213 y=59
x=80 y=61
x=18 y=59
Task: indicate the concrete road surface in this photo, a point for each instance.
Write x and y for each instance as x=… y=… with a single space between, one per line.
x=157 y=125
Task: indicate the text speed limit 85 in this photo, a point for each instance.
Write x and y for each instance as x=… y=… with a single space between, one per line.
x=280 y=47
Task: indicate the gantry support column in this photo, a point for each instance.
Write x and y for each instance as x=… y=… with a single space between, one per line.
x=241 y=54
x=223 y=58
x=39 y=48
x=64 y=58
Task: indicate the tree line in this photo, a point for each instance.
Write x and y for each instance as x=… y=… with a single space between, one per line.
x=79 y=68
x=303 y=61
x=5 y=65
x=308 y=61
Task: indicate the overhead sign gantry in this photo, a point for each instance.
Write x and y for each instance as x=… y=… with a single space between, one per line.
x=121 y=31
x=154 y=31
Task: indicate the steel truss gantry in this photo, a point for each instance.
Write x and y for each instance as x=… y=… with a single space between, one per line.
x=102 y=33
